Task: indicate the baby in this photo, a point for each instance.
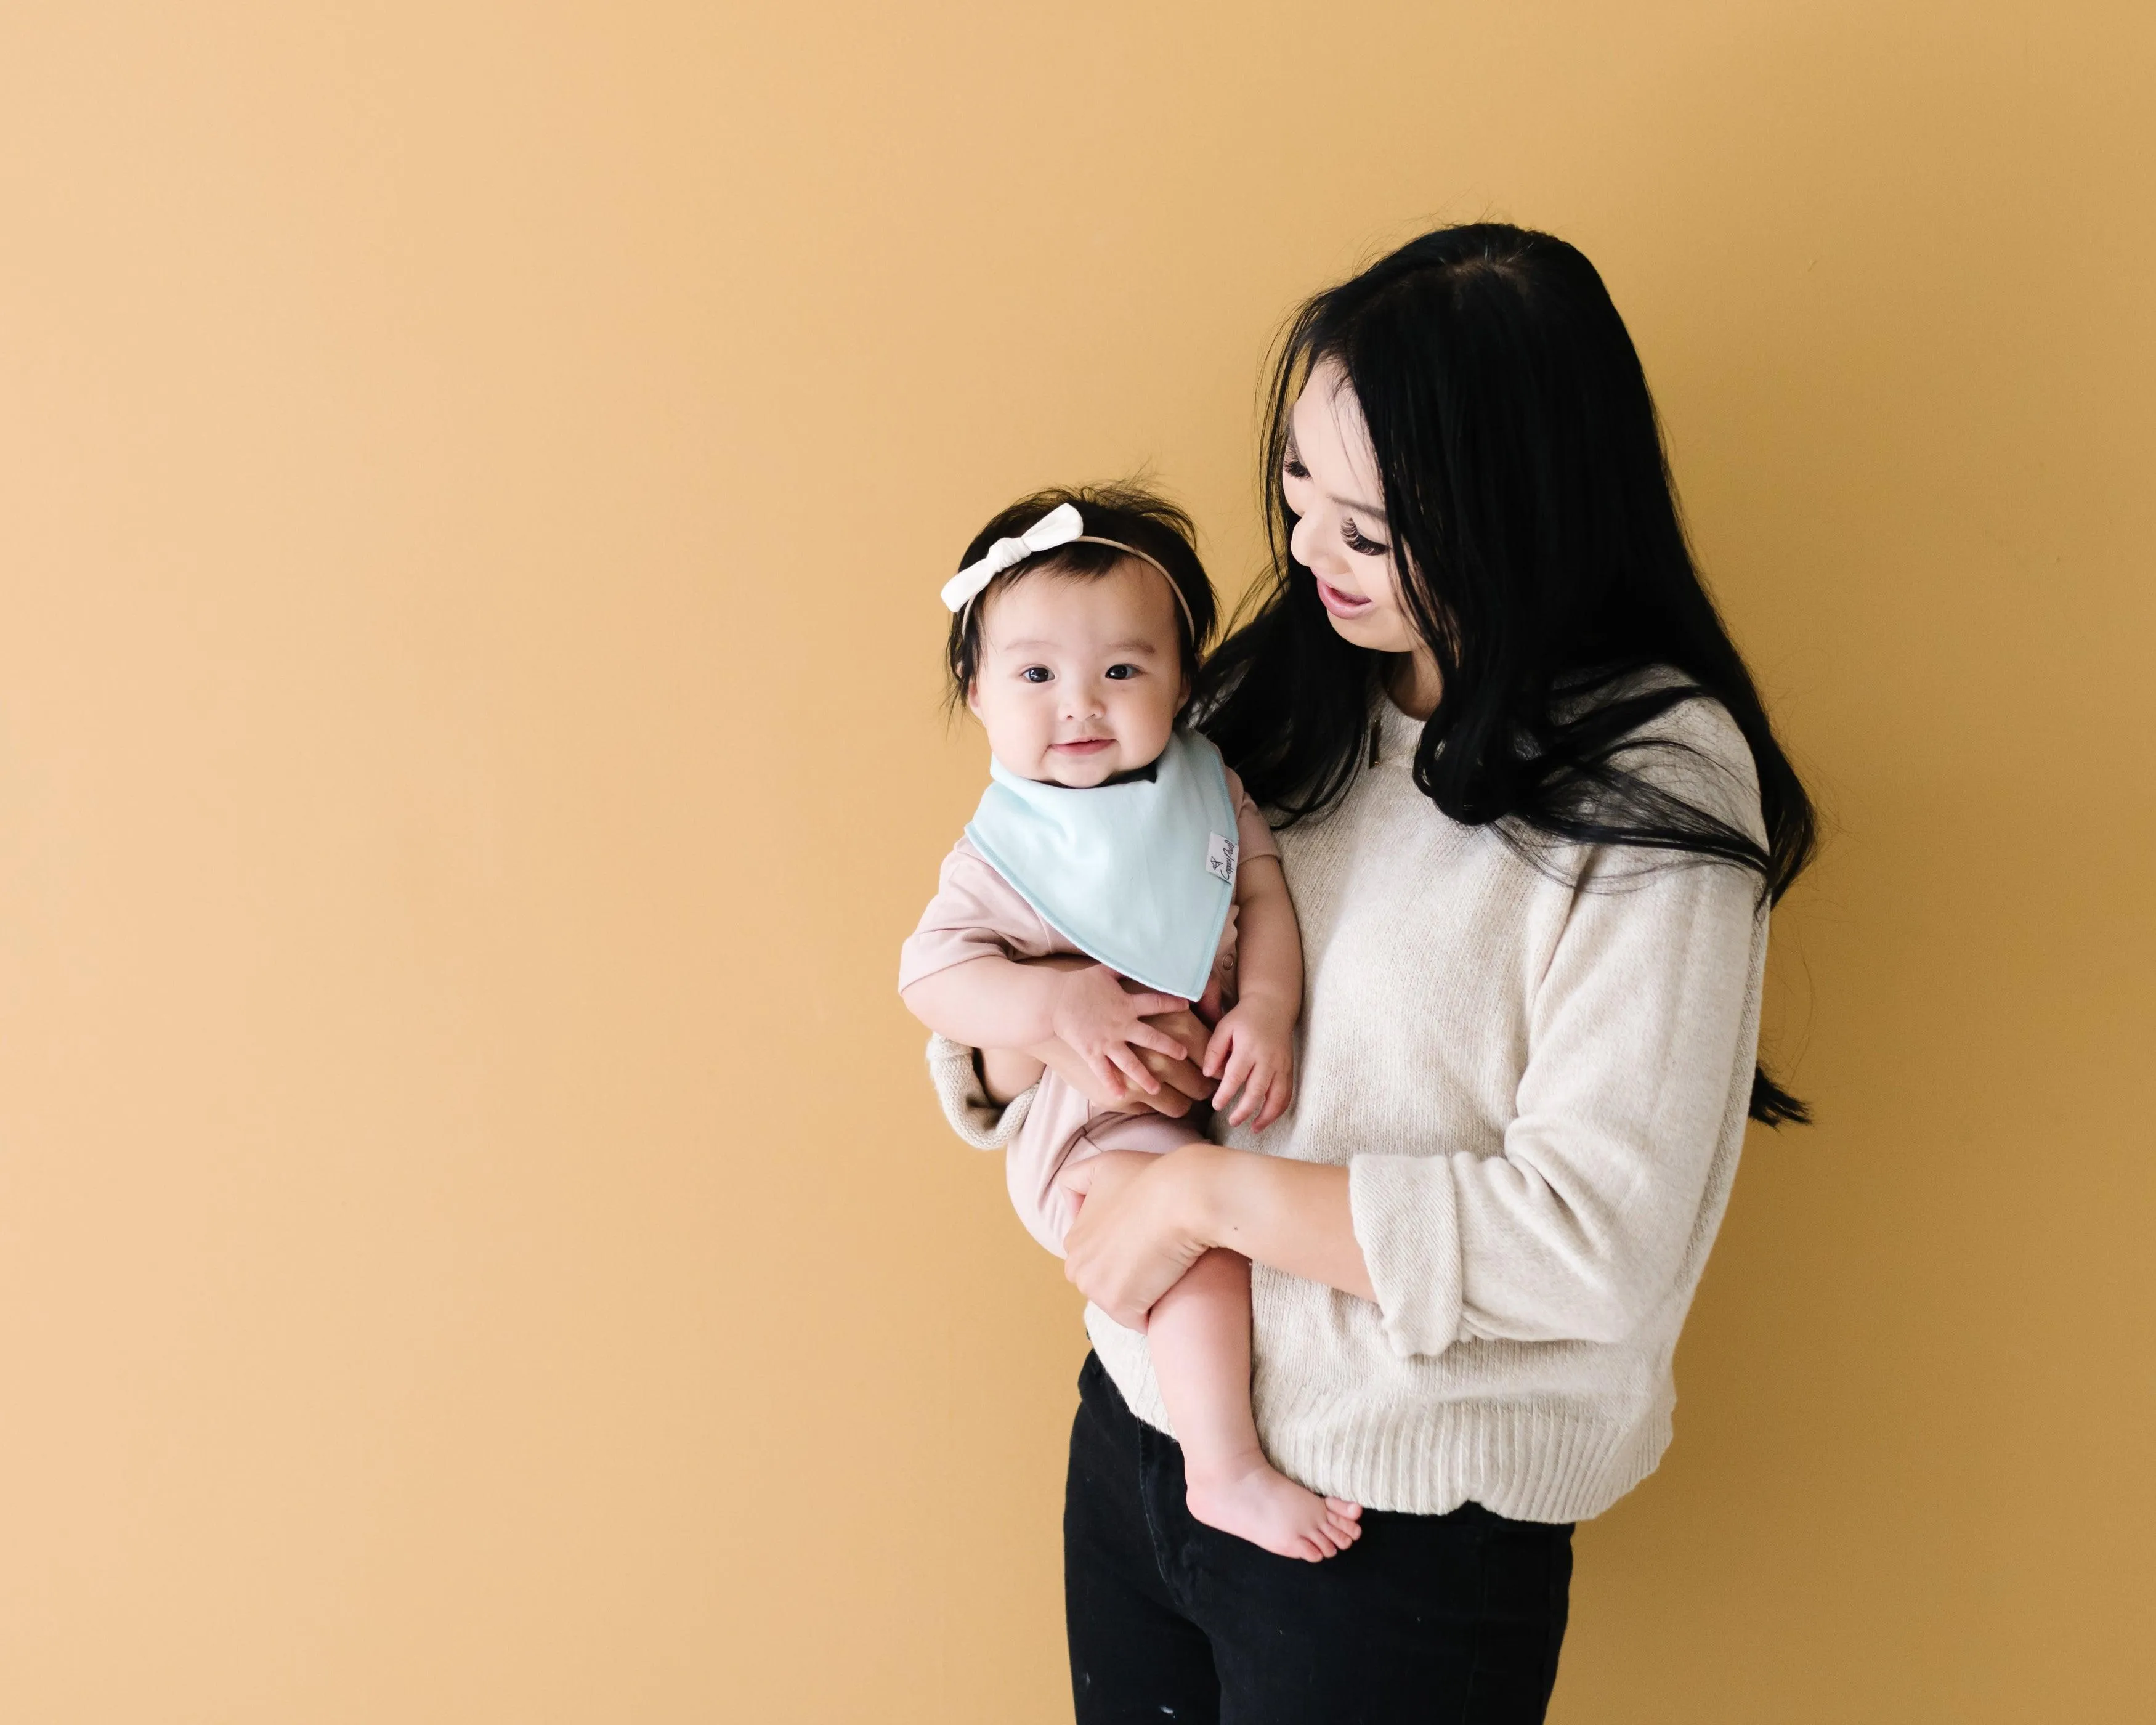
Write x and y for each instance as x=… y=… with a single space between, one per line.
x=1118 y=842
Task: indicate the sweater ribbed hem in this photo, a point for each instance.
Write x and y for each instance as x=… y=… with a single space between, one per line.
x=1543 y=1460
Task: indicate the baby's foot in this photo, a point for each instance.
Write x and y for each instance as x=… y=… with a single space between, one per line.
x=1253 y=1500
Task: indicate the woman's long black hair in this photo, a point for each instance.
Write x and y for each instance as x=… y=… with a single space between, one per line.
x=1536 y=532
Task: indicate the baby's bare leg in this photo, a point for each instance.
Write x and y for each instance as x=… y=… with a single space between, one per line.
x=1199 y=1335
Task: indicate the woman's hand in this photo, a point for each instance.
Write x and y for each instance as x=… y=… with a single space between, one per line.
x=1135 y=1231
x=1102 y=1020
x=1146 y=1218
x=1181 y=1082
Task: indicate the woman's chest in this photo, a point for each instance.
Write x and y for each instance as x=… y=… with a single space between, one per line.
x=1423 y=941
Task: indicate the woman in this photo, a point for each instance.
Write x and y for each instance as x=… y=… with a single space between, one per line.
x=1533 y=817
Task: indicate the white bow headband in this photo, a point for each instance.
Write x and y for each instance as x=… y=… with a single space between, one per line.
x=1062 y=525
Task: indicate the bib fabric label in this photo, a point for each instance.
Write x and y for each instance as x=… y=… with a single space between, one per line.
x=1220 y=858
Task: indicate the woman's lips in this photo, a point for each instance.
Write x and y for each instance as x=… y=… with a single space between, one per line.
x=1084 y=746
x=1342 y=604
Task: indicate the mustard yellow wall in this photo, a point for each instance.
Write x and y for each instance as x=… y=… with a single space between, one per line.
x=475 y=1243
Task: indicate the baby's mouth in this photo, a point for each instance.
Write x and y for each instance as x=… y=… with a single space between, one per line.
x=1083 y=746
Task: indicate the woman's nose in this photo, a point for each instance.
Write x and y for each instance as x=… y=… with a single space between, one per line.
x=1305 y=543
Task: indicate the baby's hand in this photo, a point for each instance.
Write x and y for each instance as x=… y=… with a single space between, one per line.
x=1252 y=1051
x=1102 y=1021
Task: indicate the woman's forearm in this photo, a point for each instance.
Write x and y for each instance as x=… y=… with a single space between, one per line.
x=1293 y=1215
x=1181 y=1082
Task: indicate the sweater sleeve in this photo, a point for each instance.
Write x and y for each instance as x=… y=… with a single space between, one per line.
x=973 y=1115
x=1640 y=1038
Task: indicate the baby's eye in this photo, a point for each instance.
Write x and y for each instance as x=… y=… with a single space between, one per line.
x=1355 y=541
x=1037 y=673
x=1119 y=672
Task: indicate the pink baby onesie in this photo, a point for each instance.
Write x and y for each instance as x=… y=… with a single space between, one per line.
x=976 y=913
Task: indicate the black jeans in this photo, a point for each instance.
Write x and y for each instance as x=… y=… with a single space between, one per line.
x=1454 y=1617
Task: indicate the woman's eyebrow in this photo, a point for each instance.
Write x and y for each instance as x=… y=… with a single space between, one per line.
x=1348 y=433
x=1295 y=454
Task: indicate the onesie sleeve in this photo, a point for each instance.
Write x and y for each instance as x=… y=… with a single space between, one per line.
x=975 y=914
x=1641 y=1038
x=1253 y=836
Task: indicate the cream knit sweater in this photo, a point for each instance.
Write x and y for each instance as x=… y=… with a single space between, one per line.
x=1539 y=1092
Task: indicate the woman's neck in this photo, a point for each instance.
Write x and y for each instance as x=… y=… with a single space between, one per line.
x=1413 y=683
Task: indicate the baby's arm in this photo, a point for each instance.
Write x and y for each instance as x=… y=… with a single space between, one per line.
x=996 y=1002
x=1253 y=1046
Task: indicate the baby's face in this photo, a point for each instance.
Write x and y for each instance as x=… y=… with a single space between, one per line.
x=1080 y=676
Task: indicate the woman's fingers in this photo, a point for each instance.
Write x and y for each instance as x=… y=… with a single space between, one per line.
x=1110 y=1169
x=1126 y=1061
x=1184 y=1076
x=1144 y=1035
x=1131 y=1318
x=1113 y=1252
x=1185 y=1026
x=1167 y=1101
x=1104 y=1071
x=1149 y=1003
x=1180 y=1075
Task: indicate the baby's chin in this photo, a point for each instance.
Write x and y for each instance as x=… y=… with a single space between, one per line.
x=1077 y=775
x=1090 y=773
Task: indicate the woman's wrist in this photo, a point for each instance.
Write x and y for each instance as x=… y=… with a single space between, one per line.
x=1201 y=1170
x=1294 y=1216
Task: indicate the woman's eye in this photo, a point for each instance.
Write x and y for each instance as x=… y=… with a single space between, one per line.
x=1036 y=674
x=1120 y=672
x=1355 y=541
x=1294 y=468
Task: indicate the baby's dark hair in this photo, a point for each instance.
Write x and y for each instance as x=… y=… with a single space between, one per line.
x=1125 y=513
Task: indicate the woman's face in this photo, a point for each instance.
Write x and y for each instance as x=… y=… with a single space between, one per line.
x=1340 y=534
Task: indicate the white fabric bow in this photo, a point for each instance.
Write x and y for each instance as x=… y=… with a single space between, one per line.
x=1059 y=526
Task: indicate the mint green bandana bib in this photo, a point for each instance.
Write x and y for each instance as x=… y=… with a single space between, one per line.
x=1138 y=875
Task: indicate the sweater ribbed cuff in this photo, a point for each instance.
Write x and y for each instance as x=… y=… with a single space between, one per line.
x=984 y=1124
